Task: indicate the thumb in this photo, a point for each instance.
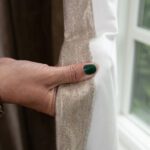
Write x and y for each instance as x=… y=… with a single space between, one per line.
x=74 y=73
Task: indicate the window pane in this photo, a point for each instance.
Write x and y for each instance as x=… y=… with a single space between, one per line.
x=140 y=105
x=144 y=14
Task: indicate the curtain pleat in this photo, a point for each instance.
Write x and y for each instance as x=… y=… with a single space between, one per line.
x=31 y=30
x=12 y=135
x=6 y=33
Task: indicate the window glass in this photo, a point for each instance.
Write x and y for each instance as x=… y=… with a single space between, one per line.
x=140 y=100
x=144 y=14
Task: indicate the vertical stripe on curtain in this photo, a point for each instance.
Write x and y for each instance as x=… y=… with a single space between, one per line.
x=31 y=30
x=11 y=130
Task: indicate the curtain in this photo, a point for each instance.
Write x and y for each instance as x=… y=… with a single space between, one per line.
x=85 y=112
x=86 y=117
x=31 y=30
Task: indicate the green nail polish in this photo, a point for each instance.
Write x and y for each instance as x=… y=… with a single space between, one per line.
x=89 y=69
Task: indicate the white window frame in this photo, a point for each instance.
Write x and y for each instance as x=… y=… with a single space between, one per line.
x=134 y=134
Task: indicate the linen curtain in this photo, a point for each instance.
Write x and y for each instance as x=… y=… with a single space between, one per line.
x=85 y=112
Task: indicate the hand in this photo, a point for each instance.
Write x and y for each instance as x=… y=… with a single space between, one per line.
x=33 y=85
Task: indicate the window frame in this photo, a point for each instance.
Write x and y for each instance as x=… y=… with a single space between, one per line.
x=128 y=33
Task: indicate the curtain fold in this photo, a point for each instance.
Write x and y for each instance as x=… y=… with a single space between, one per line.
x=86 y=118
x=74 y=101
x=86 y=30
x=103 y=49
x=11 y=137
x=6 y=32
x=31 y=30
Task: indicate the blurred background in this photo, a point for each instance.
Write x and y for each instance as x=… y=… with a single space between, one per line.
x=133 y=49
x=33 y=30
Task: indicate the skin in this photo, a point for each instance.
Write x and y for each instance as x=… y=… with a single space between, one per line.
x=34 y=85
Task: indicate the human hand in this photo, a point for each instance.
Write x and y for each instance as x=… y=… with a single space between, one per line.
x=34 y=85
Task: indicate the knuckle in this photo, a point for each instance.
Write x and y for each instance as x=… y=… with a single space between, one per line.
x=45 y=66
x=73 y=73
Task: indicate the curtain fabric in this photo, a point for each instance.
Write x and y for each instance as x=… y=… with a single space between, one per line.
x=86 y=111
x=31 y=30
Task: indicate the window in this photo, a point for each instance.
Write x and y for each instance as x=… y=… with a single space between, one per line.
x=134 y=122
x=140 y=99
x=138 y=56
x=144 y=14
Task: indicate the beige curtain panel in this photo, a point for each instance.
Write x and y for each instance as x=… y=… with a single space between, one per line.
x=63 y=32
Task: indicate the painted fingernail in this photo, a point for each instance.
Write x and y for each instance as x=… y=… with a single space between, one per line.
x=89 y=69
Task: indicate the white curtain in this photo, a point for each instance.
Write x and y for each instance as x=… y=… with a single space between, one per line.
x=103 y=132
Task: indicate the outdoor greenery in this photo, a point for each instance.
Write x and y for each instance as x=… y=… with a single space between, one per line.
x=144 y=14
x=141 y=83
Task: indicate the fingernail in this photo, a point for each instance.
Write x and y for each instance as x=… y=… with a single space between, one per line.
x=89 y=69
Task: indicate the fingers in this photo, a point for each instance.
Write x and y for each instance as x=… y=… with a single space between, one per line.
x=46 y=102
x=67 y=74
x=74 y=73
x=40 y=99
x=51 y=102
x=6 y=60
x=33 y=84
